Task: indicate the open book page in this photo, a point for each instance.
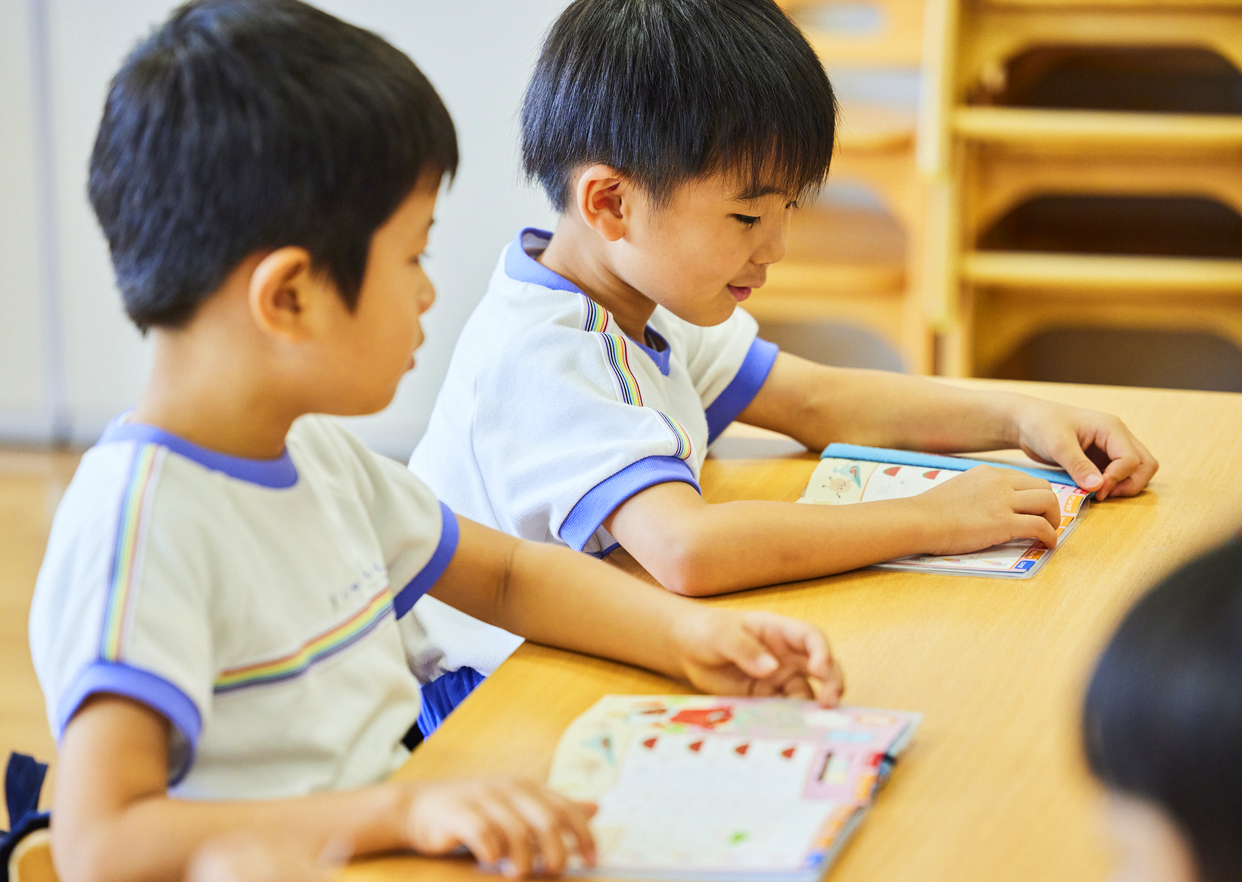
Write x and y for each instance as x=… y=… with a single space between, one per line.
x=702 y=786
x=847 y=481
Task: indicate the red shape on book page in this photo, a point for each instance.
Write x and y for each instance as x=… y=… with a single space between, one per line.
x=649 y=744
x=892 y=472
x=931 y=476
x=741 y=749
x=704 y=718
x=696 y=746
x=788 y=752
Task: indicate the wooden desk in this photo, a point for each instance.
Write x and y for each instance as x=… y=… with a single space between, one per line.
x=993 y=786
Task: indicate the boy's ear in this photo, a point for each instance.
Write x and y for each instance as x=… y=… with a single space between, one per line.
x=281 y=290
x=603 y=198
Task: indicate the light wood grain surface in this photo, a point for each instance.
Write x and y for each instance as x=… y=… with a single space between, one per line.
x=993 y=786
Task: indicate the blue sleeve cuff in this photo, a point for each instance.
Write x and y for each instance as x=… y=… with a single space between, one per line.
x=149 y=689
x=442 y=695
x=431 y=573
x=602 y=499
x=743 y=388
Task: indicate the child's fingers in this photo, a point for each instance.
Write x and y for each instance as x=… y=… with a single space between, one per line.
x=810 y=649
x=478 y=833
x=832 y=688
x=797 y=686
x=1067 y=450
x=787 y=639
x=1039 y=502
x=1117 y=471
x=748 y=652
x=553 y=818
x=802 y=649
x=1035 y=527
x=546 y=830
x=1129 y=472
x=578 y=817
x=513 y=832
x=1022 y=481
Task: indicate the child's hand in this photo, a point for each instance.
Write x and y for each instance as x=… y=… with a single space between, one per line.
x=985 y=506
x=756 y=653
x=519 y=822
x=1083 y=442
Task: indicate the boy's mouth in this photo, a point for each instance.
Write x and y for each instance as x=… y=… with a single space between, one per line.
x=739 y=293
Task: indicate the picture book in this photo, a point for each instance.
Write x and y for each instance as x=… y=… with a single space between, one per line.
x=847 y=473
x=704 y=787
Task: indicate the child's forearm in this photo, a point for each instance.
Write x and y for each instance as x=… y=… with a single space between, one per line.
x=746 y=544
x=563 y=598
x=695 y=548
x=585 y=593
x=559 y=597
x=113 y=820
x=818 y=405
x=155 y=838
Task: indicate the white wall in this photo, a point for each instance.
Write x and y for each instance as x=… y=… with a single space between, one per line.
x=477 y=53
x=24 y=402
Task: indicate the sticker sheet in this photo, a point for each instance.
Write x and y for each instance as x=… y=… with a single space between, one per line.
x=847 y=481
x=710 y=787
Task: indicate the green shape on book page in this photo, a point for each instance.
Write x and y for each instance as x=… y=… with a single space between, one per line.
x=739 y=837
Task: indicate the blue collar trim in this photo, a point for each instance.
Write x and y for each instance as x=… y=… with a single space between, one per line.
x=278 y=474
x=659 y=356
x=521 y=267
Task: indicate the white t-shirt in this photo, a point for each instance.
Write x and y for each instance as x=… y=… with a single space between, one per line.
x=252 y=603
x=550 y=416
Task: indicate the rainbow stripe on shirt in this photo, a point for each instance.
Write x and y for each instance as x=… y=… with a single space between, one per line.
x=596 y=316
x=683 y=438
x=619 y=360
x=310 y=653
x=617 y=352
x=122 y=583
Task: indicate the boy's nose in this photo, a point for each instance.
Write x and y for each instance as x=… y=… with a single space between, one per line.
x=426 y=298
x=772 y=248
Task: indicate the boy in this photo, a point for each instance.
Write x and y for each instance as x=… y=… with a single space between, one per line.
x=675 y=137
x=1162 y=726
x=216 y=624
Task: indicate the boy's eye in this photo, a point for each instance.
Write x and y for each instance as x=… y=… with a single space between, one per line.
x=746 y=220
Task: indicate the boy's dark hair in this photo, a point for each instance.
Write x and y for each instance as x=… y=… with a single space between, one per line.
x=242 y=125
x=666 y=91
x=1163 y=715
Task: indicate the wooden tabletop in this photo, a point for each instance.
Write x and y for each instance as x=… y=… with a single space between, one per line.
x=993 y=786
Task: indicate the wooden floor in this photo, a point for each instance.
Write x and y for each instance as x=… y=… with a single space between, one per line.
x=31 y=484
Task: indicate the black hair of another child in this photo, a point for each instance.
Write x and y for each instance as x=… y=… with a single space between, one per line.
x=667 y=91
x=243 y=125
x=1163 y=713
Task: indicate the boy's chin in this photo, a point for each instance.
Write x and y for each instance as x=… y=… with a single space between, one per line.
x=721 y=311
x=706 y=314
x=364 y=407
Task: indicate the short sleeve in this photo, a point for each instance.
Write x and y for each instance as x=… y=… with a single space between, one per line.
x=728 y=363
x=417 y=533
x=122 y=604
x=557 y=446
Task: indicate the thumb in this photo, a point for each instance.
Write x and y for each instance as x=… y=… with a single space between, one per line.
x=1081 y=469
